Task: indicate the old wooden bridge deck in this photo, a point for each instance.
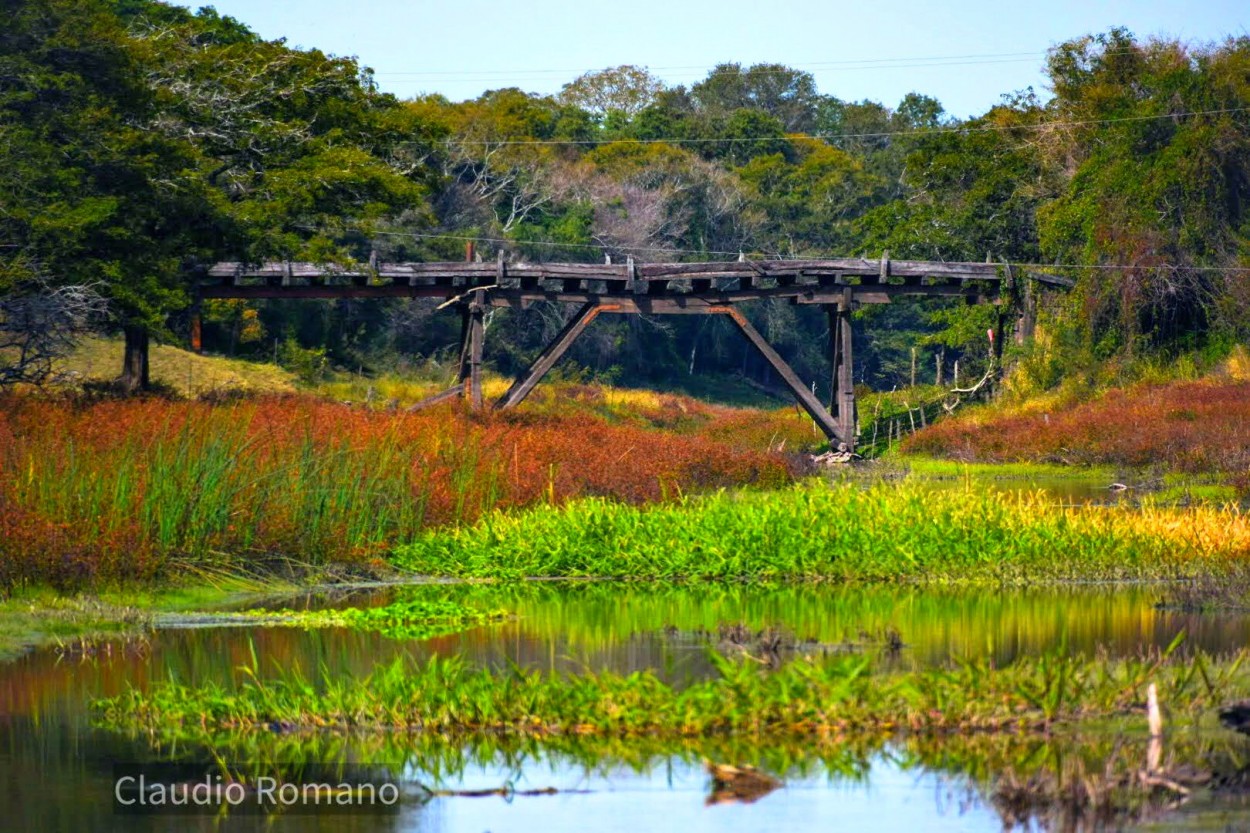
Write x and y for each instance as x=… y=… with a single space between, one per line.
x=708 y=288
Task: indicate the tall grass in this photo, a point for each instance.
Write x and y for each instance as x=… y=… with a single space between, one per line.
x=115 y=489
x=842 y=532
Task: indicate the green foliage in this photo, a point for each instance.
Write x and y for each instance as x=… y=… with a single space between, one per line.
x=814 y=698
x=91 y=196
x=614 y=93
x=140 y=138
x=307 y=363
x=883 y=533
x=1158 y=199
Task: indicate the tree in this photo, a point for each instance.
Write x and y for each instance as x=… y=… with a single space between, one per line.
x=624 y=90
x=788 y=95
x=93 y=197
x=139 y=139
x=1155 y=150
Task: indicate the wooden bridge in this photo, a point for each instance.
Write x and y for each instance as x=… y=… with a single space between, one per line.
x=708 y=288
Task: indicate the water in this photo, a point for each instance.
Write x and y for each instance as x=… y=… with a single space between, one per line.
x=56 y=771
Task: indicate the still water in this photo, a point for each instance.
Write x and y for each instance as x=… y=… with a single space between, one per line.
x=56 y=771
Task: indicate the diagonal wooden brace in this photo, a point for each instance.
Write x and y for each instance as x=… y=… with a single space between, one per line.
x=824 y=420
x=551 y=354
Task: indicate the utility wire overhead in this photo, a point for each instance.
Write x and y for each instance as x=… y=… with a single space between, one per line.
x=738 y=254
x=834 y=137
x=907 y=62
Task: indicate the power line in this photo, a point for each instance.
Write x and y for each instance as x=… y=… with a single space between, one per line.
x=835 y=137
x=705 y=252
x=416 y=77
x=904 y=62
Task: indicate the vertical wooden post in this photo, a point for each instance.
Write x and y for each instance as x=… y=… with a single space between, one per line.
x=913 y=367
x=941 y=359
x=472 y=335
x=197 y=324
x=1000 y=320
x=831 y=312
x=844 y=391
x=477 y=337
x=1028 y=314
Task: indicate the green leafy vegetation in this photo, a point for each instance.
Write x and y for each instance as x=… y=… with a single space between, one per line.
x=839 y=533
x=840 y=695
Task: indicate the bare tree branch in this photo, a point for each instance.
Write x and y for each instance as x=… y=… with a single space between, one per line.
x=39 y=324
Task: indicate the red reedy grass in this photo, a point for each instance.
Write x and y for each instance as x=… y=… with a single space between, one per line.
x=1192 y=427
x=113 y=490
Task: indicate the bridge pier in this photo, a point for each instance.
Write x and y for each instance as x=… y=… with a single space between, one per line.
x=832 y=428
x=473 y=339
x=839 y=429
x=842 y=361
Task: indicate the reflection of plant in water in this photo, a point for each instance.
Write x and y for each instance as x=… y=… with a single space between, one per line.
x=838 y=694
x=1086 y=780
x=595 y=619
x=770 y=646
x=1059 y=781
x=1208 y=594
x=403 y=619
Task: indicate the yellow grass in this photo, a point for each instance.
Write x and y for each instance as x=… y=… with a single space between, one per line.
x=1237 y=366
x=100 y=360
x=403 y=391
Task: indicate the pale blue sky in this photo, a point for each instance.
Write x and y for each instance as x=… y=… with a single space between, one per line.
x=964 y=53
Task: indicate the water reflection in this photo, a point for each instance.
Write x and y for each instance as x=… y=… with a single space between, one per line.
x=55 y=771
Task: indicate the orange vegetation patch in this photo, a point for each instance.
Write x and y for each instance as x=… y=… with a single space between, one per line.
x=114 y=489
x=1193 y=427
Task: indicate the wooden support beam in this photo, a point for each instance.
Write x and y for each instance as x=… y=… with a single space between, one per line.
x=843 y=372
x=197 y=324
x=453 y=392
x=462 y=373
x=550 y=355
x=835 y=346
x=804 y=396
x=1028 y=312
x=477 y=339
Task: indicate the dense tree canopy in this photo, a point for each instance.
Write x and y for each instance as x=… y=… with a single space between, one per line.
x=138 y=138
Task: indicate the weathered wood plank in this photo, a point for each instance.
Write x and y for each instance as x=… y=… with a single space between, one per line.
x=453 y=392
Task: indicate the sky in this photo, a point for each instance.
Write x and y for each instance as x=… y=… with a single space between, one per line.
x=966 y=54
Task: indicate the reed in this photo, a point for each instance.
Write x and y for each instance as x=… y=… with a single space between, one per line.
x=1195 y=427
x=116 y=490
